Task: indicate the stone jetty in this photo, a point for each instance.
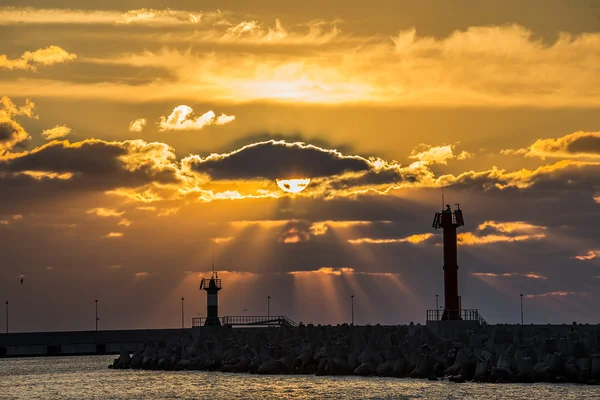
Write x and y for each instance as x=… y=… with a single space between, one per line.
x=500 y=353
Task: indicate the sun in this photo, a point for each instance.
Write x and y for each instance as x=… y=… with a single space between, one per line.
x=293 y=185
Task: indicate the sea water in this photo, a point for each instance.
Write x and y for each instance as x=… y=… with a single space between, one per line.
x=88 y=378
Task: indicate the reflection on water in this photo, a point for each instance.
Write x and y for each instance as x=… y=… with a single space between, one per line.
x=89 y=378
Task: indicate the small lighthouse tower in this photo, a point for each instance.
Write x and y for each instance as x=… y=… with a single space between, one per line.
x=212 y=287
x=449 y=221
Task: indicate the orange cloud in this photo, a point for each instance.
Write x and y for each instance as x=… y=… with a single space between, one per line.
x=137 y=125
x=31 y=59
x=58 y=132
x=592 y=254
x=511 y=231
x=414 y=239
x=105 y=212
x=574 y=145
x=114 y=235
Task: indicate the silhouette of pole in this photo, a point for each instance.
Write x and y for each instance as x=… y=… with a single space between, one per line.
x=437 y=308
x=352 y=307
x=182 y=318
x=6 y=316
x=96 y=315
x=521 y=310
x=268 y=307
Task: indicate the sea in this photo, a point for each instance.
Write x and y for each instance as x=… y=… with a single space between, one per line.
x=89 y=378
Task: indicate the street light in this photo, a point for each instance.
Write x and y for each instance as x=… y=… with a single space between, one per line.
x=437 y=308
x=97 y=316
x=352 y=308
x=268 y=307
x=182 y=318
x=6 y=316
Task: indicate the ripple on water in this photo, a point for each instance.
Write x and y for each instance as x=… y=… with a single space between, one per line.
x=88 y=378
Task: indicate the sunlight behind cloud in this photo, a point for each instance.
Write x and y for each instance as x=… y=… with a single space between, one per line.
x=293 y=185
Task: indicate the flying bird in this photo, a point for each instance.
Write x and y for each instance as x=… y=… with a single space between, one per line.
x=21 y=281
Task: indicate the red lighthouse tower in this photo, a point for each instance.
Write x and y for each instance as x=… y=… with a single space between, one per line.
x=449 y=221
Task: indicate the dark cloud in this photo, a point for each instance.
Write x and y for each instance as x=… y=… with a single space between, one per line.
x=60 y=168
x=585 y=144
x=278 y=159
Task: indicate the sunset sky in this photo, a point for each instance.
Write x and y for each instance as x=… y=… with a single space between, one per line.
x=307 y=145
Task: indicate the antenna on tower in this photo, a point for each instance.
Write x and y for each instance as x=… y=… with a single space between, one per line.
x=213 y=261
x=443 y=201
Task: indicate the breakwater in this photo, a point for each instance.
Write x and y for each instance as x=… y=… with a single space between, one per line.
x=500 y=353
x=44 y=344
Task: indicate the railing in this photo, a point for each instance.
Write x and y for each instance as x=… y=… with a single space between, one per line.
x=205 y=283
x=464 y=315
x=244 y=320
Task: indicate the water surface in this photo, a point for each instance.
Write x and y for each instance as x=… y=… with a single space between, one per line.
x=88 y=378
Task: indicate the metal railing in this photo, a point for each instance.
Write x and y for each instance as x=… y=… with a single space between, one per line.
x=244 y=320
x=205 y=283
x=464 y=315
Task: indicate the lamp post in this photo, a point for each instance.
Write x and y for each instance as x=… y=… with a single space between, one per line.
x=352 y=309
x=437 y=308
x=6 y=316
x=521 y=310
x=182 y=315
x=97 y=316
x=268 y=307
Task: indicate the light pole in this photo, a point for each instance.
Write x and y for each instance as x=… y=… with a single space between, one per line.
x=97 y=316
x=182 y=318
x=268 y=307
x=6 y=316
x=521 y=310
x=437 y=308
x=352 y=308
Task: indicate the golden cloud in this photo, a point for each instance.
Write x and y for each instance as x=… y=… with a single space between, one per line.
x=114 y=235
x=490 y=66
x=105 y=212
x=511 y=231
x=58 y=132
x=142 y=16
x=137 y=125
x=182 y=119
x=31 y=59
x=413 y=239
x=584 y=145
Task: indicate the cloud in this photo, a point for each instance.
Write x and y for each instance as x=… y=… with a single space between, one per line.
x=137 y=125
x=319 y=228
x=590 y=255
x=597 y=199
x=496 y=232
x=58 y=132
x=480 y=66
x=413 y=239
x=182 y=119
x=143 y=16
x=12 y=134
x=294 y=234
x=60 y=168
x=530 y=275
x=220 y=240
x=30 y=60
x=557 y=294
x=114 y=235
x=437 y=154
x=331 y=271
x=49 y=268
x=124 y=222
x=277 y=160
x=105 y=212
x=584 y=145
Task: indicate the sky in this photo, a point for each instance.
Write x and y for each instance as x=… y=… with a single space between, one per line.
x=306 y=146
